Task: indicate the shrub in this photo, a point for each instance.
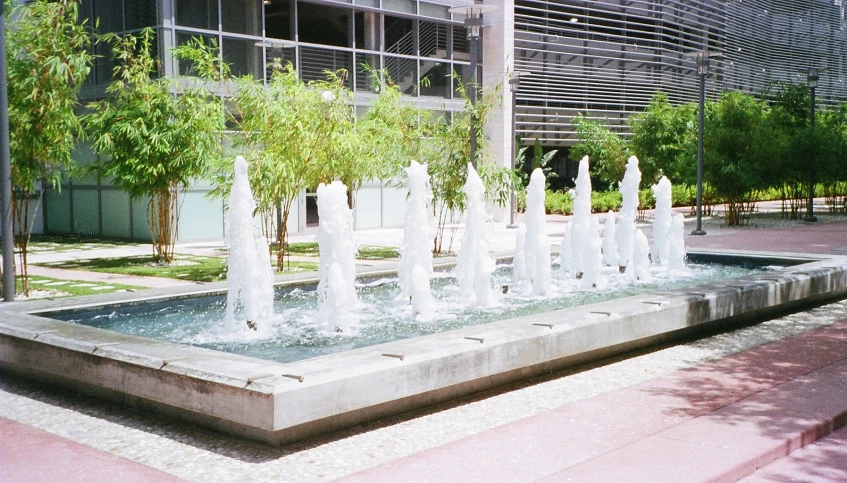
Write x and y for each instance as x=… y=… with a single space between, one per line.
x=603 y=201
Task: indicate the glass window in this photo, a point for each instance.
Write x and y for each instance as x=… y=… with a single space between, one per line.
x=242 y=16
x=243 y=57
x=399 y=35
x=110 y=14
x=201 y=14
x=433 y=40
x=324 y=25
x=434 y=11
x=435 y=78
x=403 y=72
x=278 y=19
x=460 y=43
x=406 y=6
x=185 y=67
x=140 y=14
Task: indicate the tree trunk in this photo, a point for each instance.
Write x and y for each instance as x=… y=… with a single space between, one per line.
x=282 y=236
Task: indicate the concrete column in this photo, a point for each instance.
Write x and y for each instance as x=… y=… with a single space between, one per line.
x=498 y=46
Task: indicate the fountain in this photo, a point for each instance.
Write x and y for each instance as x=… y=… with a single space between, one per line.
x=153 y=348
x=581 y=220
x=537 y=244
x=519 y=260
x=676 y=248
x=625 y=230
x=475 y=264
x=565 y=251
x=609 y=247
x=337 y=269
x=640 y=257
x=249 y=273
x=592 y=257
x=415 y=265
x=661 y=222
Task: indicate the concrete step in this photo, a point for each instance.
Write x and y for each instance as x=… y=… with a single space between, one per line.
x=825 y=461
x=719 y=421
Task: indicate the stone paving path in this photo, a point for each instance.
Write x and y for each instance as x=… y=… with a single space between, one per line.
x=23 y=450
x=718 y=421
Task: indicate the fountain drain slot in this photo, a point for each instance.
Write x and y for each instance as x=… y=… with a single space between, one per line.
x=168 y=361
x=549 y=326
x=251 y=380
x=697 y=294
x=477 y=339
x=607 y=314
x=37 y=334
x=294 y=376
x=396 y=356
x=100 y=346
x=653 y=302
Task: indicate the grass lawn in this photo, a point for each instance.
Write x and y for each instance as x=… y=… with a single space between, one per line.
x=50 y=243
x=185 y=267
x=310 y=249
x=42 y=287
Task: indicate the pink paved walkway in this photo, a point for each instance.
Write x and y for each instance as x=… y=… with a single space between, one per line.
x=31 y=455
x=822 y=462
x=719 y=421
x=808 y=238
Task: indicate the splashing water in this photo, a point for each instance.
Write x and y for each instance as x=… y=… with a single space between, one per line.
x=640 y=257
x=609 y=247
x=676 y=249
x=662 y=222
x=537 y=245
x=415 y=265
x=629 y=207
x=592 y=256
x=475 y=264
x=249 y=274
x=565 y=251
x=581 y=220
x=337 y=271
x=519 y=261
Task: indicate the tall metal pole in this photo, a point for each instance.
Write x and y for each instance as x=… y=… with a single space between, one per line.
x=810 y=209
x=514 y=82
x=472 y=45
x=6 y=174
x=702 y=71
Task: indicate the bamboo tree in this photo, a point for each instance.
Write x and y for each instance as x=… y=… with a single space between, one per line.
x=154 y=136
x=48 y=60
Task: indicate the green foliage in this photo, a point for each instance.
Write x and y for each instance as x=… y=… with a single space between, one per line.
x=664 y=138
x=153 y=136
x=48 y=60
x=606 y=151
x=558 y=203
x=448 y=158
x=294 y=135
x=603 y=201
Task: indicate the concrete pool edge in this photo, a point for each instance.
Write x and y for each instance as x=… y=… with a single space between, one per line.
x=277 y=403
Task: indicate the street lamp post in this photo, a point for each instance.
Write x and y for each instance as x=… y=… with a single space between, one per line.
x=812 y=81
x=702 y=72
x=473 y=23
x=5 y=175
x=514 y=85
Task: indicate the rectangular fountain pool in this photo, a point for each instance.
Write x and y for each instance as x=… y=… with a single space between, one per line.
x=280 y=402
x=300 y=333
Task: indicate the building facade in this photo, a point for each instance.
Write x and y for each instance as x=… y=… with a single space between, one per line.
x=604 y=59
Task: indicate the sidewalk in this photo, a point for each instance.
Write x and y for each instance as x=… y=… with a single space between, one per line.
x=719 y=421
